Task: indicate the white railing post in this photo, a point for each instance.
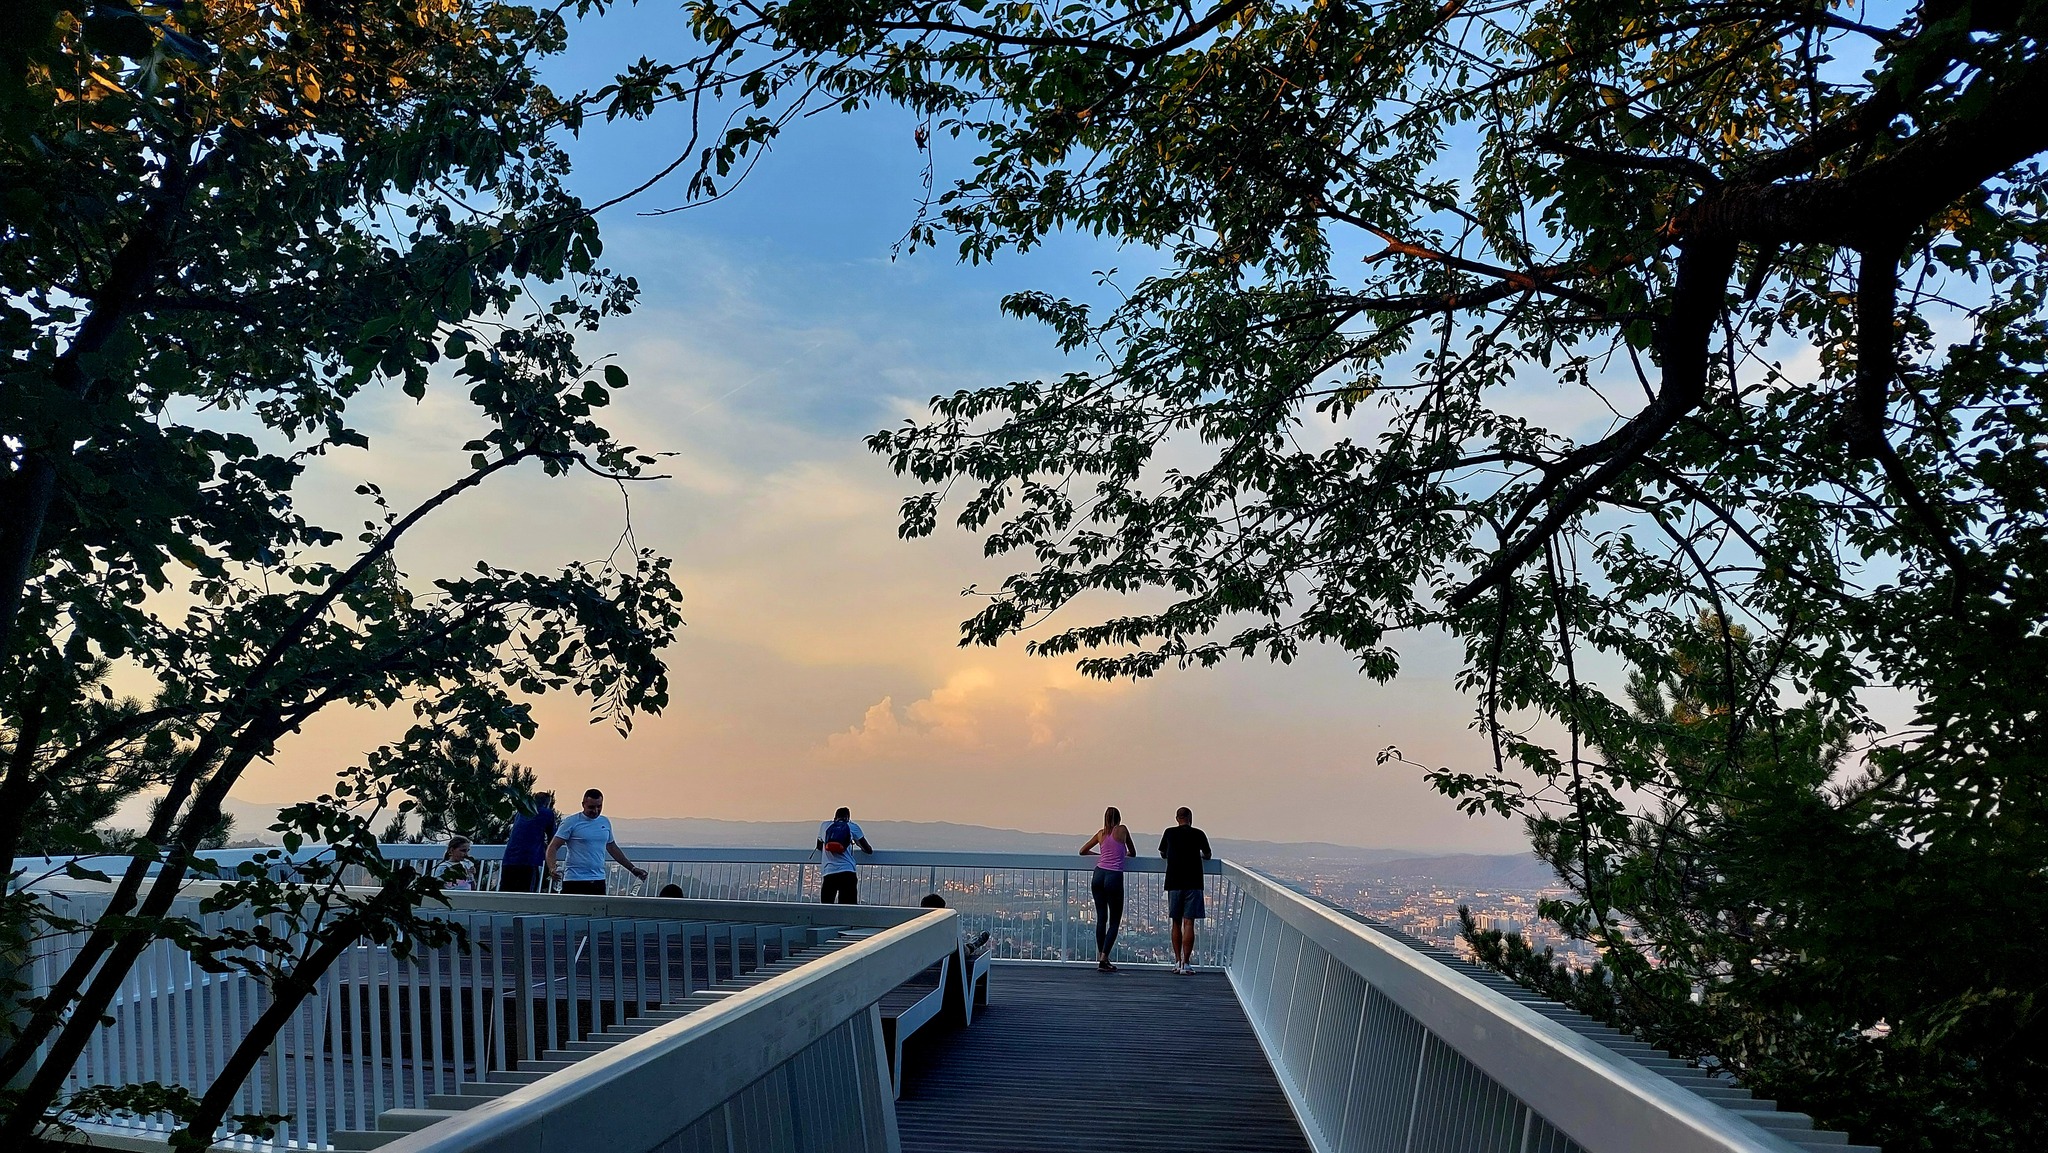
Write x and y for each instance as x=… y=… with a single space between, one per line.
x=524 y=950
x=1066 y=899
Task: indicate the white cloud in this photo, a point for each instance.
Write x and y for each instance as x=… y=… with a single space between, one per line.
x=821 y=657
x=977 y=710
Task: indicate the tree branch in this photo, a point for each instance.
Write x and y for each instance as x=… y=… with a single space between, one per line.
x=1683 y=337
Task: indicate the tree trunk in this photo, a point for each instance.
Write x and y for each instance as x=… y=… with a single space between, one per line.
x=35 y=1100
x=199 y=1131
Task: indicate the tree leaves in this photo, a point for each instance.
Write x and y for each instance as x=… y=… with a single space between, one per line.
x=1551 y=326
x=224 y=224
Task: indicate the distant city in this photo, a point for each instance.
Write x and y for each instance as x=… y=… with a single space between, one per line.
x=1420 y=895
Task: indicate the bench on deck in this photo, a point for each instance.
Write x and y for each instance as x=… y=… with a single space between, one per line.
x=910 y=1007
x=968 y=990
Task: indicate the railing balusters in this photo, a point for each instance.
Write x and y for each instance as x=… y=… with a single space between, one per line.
x=410 y=1041
x=550 y=991
x=384 y=1041
x=305 y=1072
x=329 y=1056
x=364 y=1040
x=618 y=997
x=359 y=989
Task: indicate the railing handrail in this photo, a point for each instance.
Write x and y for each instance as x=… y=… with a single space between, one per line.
x=729 y=1046
x=1596 y=1096
x=927 y=858
x=619 y=905
x=773 y=855
x=648 y=908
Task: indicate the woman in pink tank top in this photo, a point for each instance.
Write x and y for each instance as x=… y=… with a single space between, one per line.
x=1113 y=842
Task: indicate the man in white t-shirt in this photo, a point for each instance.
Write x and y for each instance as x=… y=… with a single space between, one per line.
x=587 y=837
x=836 y=839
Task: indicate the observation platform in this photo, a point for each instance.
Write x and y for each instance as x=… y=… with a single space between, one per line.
x=745 y=1017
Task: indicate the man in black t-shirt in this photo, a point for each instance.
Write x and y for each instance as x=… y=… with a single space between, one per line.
x=1185 y=847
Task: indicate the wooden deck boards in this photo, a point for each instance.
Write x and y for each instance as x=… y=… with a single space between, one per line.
x=1072 y=1059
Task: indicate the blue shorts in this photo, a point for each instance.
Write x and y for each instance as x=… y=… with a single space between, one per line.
x=1184 y=905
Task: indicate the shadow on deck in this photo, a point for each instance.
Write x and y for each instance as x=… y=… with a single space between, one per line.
x=1071 y=1059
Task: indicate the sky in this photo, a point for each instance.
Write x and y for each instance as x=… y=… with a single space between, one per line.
x=819 y=667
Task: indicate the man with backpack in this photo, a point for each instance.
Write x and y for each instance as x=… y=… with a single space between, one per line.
x=836 y=839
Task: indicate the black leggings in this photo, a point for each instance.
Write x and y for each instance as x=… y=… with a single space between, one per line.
x=1108 y=887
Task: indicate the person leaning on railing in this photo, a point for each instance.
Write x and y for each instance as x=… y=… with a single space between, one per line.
x=458 y=869
x=1113 y=844
x=839 y=877
x=1185 y=847
x=588 y=837
x=527 y=846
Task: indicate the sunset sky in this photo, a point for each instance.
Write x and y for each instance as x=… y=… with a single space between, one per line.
x=819 y=666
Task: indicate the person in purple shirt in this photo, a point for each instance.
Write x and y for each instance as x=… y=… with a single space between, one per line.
x=527 y=846
x=1113 y=843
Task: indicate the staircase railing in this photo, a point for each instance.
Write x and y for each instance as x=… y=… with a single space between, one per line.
x=1383 y=1048
x=393 y=1028
x=792 y=1065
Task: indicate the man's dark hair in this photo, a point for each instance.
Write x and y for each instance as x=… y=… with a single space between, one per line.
x=1184 y=814
x=932 y=901
x=589 y=793
x=842 y=814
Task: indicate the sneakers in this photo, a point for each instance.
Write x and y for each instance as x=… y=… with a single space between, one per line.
x=1181 y=969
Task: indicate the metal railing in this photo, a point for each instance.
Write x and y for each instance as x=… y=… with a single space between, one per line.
x=383 y=1031
x=1382 y=1049
x=790 y=1066
x=1034 y=906
x=1378 y=1047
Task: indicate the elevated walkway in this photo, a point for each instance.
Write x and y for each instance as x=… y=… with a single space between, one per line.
x=1071 y=1059
x=733 y=1026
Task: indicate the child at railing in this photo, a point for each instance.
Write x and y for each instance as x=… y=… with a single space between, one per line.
x=458 y=871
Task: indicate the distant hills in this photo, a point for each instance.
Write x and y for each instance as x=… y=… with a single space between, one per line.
x=944 y=836
x=1457 y=870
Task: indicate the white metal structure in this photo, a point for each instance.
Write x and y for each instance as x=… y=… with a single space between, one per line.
x=789 y=1066
x=1382 y=1048
x=1380 y=1045
x=1035 y=906
x=385 y=1032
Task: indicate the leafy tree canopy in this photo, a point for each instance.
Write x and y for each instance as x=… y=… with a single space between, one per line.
x=1549 y=323
x=225 y=222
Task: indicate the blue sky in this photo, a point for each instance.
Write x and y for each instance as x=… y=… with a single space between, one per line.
x=819 y=667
